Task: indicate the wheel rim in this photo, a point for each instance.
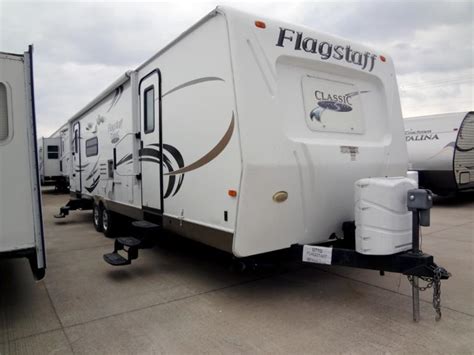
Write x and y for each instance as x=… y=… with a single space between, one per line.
x=96 y=215
x=105 y=220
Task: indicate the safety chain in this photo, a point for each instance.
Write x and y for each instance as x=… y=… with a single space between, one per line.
x=434 y=282
x=429 y=281
x=437 y=292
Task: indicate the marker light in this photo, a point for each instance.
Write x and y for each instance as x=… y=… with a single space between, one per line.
x=382 y=58
x=260 y=24
x=232 y=193
x=280 y=196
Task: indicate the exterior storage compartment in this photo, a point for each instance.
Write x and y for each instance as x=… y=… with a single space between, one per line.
x=383 y=222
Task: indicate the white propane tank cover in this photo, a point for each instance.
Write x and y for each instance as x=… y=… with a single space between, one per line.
x=383 y=222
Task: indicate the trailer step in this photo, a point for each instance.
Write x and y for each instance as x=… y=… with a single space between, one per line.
x=130 y=245
x=144 y=236
x=116 y=259
x=145 y=225
x=129 y=241
x=146 y=232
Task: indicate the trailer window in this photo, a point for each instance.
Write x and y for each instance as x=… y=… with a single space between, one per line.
x=3 y=113
x=53 y=152
x=92 y=147
x=149 y=109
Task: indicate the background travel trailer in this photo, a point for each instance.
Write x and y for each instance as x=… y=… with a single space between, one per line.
x=21 y=228
x=61 y=167
x=49 y=154
x=441 y=149
x=244 y=133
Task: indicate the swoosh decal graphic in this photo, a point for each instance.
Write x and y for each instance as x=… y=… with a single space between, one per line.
x=317 y=113
x=179 y=160
x=117 y=96
x=153 y=154
x=213 y=153
x=150 y=152
x=94 y=184
x=193 y=82
x=172 y=178
x=149 y=160
x=125 y=159
x=93 y=170
x=91 y=175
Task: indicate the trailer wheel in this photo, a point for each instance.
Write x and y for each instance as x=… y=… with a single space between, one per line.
x=109 y=223
x=97 y=213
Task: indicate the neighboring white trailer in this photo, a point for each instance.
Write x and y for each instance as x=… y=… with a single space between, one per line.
x=49 y=159
x=21 y=228
x=245 y=137
x=441 y=149
x=63 y=163
x=66 y=157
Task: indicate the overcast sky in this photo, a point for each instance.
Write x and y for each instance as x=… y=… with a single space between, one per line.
x=81 y=48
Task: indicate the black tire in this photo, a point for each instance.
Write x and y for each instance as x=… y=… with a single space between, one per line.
x=109 y=223
x=97 y=217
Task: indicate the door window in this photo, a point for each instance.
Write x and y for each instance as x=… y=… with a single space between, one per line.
x=76 y=141
x=149 y=109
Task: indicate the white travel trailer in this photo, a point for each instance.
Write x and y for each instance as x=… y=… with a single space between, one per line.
x=441 y=149
x=248 y=120
x=249 y=135
x=21 y=228
x=64 y=161
x=49 y=154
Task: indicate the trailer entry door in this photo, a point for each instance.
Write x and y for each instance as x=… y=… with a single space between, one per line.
x=151 y=145
x=76 y=181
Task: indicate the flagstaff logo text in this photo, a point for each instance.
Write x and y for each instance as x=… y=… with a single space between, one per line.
x=326 y=50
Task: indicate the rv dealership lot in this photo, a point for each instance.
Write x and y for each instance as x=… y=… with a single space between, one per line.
x=183 y=298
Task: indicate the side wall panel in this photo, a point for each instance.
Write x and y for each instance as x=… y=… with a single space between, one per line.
x=110 y=122
x=51 y=165
x=200 y=128
x=16 y=177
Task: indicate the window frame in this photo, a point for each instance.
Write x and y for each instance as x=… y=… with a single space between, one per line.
x=87 y=147
x=9 y=103
x=146 y=129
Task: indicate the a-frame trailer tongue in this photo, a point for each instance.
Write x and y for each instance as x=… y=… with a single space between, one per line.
x=413 y=263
